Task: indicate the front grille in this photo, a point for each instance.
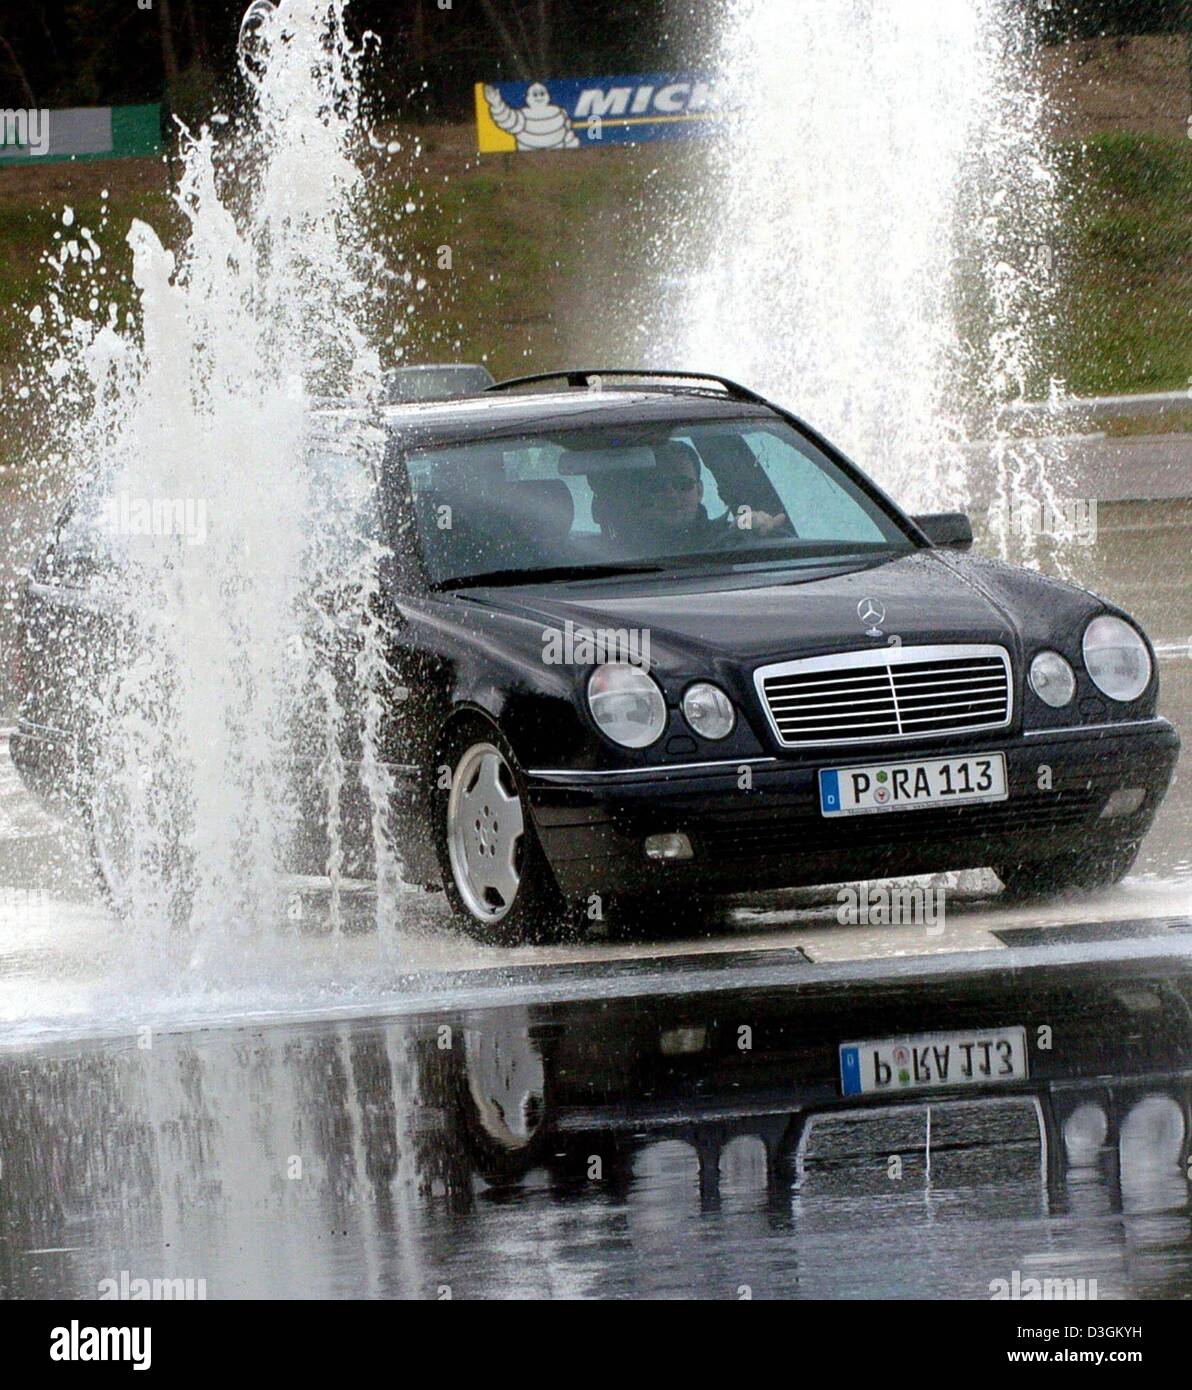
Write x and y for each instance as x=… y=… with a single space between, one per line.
x=888 y=694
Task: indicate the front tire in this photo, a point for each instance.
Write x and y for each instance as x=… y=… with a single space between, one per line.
x=137 y=880
x=109 y=851
x=1079 y=870
x=497 y=880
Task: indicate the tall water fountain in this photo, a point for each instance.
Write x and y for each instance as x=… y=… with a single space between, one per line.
x=875 y=237
x=249 y=656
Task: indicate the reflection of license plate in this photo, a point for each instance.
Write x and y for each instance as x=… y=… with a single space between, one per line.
x=934 y=1059
x=856 y=791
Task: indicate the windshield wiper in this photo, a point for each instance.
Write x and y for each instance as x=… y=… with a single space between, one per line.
x=834 y=552
x=830 y=551
x=537 y=576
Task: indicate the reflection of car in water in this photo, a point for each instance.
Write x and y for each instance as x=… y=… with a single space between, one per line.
x=506 y=1078
x=662 y=637
x=645 y=1141
x=1107 y=1094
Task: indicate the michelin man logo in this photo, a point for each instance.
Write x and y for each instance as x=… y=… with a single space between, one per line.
x=539 y=125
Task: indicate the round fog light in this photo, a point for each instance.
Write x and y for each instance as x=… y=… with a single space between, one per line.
x=676 y=846
x=682 y=1042
x=708 y=710
x=1123 y=802
x=1052 y=679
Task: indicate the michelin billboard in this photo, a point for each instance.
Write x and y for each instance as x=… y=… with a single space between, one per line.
x=565 y=113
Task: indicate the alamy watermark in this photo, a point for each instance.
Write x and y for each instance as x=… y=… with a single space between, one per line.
x=82 y=1342
x=127 y=1289
x=126 y=515
x=1072 y=519
x=594 y=646
x=26 y=129
x=1050 y=1290
x=862 y=905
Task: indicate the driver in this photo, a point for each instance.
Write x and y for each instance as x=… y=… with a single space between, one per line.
x=674 y=500
x=673 y=496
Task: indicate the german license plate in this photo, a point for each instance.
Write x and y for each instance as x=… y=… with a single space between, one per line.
x=978 y=1058
x=859 y=791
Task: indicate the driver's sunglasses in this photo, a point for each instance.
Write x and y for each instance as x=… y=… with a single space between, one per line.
x=674 y=482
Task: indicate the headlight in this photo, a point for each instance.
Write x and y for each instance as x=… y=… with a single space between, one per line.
x=1052 y=679
x=709 y=711
x=626 y=704
x=1116 y=657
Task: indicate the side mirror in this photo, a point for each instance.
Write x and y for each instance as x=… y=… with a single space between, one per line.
x=952 y=529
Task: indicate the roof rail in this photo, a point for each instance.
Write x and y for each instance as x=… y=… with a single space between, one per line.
x=587 y=376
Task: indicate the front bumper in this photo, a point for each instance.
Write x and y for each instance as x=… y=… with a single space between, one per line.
x=763 y=828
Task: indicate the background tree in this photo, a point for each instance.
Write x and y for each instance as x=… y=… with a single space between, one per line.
x=100 y=52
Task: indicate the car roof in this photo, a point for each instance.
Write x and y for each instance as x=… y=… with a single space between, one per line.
x=496 y=415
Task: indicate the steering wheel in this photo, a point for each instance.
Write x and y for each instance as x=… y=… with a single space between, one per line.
x=733 y=535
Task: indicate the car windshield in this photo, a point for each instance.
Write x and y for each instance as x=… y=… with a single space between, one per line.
x=681 y=495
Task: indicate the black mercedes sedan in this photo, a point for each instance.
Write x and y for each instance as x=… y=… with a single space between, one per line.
x=653 y=634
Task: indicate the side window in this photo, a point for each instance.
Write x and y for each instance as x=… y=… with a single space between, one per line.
x=819 y=507
x=541 y=463
x=581 y=497
x=419 y=472
x=534 y=464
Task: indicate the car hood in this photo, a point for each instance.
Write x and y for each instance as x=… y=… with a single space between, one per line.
x=753 y=617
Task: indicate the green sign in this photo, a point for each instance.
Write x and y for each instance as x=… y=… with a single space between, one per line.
x=82 y=132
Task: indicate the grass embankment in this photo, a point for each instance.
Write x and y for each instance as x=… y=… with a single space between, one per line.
x=1128 y=319
x=518 y=229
